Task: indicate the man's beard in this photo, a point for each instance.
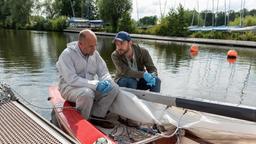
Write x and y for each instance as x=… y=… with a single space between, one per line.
x=123 y=52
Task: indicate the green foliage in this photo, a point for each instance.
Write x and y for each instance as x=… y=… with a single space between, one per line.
x=50 y=8
x=246 y=36
x=67 y=7
x=247 y=21
x=112 y=11
x=15 y=13
x=37 y=23
x=197 y=35
x=175 y=24
x=148 y=20
x=58 y=24
x=40 y=23
x=182 y=27
x=89 y=9
x=126 y=23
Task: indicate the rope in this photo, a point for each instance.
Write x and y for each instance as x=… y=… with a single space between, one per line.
x=39 y=107
x=7 y=94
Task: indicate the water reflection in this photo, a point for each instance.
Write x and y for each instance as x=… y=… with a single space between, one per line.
x=17 y=51
x=172 y=55
x=27 y=63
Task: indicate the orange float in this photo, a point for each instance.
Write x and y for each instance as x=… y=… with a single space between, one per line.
x=193 y=54
x=231 y=60
x=194 y=48
x=232 y=54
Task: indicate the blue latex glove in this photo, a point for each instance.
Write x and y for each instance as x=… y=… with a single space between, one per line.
x=149 y=78
x=104 y=86
x=152 y=82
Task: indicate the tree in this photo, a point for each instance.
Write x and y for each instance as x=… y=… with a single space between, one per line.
x=16 y=13
x=247 y=21
x=182 y=27
x=252 y=12
x=126 y=23
x=89 y=9
x=50 y=8
x=177 y=25
x=113 y=10
x=148 y=20
x=4 y=10
x=67 y=7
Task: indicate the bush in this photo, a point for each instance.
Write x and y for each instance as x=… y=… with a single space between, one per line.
x=58 y=24
x=40 y=23
x=197 y=35
x=246 y=36
x=37 y=23
x=126 y=24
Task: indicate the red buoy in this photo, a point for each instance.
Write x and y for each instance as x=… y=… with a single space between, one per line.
x=232 y=54
x=194 y=48
x=193 y=54
x=231 y=60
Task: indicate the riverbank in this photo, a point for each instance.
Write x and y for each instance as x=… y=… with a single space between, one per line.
x=236 y=43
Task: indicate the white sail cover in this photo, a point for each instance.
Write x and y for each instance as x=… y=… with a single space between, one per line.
x=214 y=128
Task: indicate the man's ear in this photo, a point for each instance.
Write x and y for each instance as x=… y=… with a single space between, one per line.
x=130 y=42
x=79 y=43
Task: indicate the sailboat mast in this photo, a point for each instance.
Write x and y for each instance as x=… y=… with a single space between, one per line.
x=213 y=13
x=206 y=12
x=216 y=16
x=225 y=21
x=160 y=9
x=228 y=10
x=192 y=22
x=241 y=13
x=137 y=9
x=198 y=16
x=165 y=4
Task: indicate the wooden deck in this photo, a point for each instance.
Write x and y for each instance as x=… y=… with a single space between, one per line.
x=19 y=124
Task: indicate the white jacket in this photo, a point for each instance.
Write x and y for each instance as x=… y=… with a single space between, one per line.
x=78 y=70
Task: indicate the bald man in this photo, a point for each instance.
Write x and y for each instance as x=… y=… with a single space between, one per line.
x=85 y=80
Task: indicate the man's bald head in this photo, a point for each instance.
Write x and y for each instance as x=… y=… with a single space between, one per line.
x=86 y=33
x=87 y=41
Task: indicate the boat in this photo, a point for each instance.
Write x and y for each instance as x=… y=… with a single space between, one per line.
x=72 y=122
x=20 y=124
x=162 y=120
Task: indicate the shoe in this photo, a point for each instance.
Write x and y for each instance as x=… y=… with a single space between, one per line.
x=101 y=122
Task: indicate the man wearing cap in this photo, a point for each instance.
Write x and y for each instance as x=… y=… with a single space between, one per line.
x=134 y=66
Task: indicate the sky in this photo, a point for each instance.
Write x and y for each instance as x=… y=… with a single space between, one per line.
x=143 y=8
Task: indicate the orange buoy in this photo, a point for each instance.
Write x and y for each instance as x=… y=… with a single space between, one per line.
x=231 y=60
x=193 y=54
x=194 y=48
x=232 y=54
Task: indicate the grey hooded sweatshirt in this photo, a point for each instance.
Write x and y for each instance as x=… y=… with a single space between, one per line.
x=78 y=70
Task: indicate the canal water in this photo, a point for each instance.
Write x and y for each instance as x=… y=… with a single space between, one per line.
x=27 y=64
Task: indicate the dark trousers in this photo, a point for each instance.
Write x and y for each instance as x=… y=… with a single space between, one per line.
x=141 y=84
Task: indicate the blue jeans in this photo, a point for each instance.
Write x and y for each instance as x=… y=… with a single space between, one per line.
x=141 y=84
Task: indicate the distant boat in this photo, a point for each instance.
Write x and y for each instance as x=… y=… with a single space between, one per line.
x=78 y=22
x=222 y=28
